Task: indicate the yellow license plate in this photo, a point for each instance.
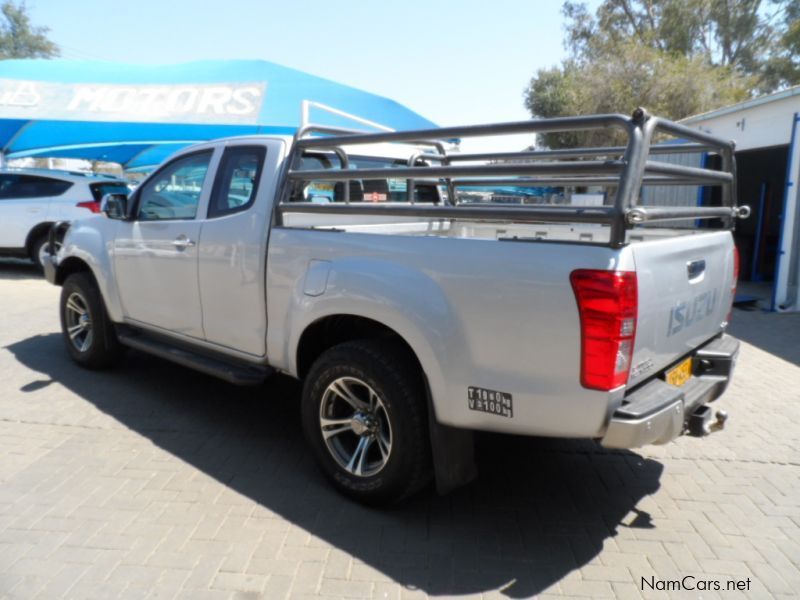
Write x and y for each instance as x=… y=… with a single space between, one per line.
x=680 y=374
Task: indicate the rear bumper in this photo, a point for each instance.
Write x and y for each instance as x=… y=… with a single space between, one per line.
x=657 y=412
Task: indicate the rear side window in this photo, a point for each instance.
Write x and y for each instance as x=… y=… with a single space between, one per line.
x=101 y=189
x=14 y=186
x=236 y=185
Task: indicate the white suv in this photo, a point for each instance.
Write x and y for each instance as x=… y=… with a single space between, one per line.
x=32 y=199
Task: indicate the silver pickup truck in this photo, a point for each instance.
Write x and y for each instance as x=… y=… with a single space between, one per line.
x=416 y=314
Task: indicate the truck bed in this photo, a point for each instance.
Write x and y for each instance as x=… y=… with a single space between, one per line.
x=377 y=224
x=500 y=316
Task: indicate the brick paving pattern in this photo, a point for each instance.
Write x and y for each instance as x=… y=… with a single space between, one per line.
x=152 y=481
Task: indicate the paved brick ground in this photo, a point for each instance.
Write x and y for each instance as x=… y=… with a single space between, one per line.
x=152 y=481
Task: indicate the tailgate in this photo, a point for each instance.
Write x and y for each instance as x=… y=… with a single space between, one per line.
x=685 y=286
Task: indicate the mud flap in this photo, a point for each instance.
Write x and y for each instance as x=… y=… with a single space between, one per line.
x=453 y=453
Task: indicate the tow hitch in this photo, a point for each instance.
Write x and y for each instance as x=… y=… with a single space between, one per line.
x=700 y=423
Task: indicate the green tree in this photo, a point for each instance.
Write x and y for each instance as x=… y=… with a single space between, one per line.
x=784 y=67
x=19 y=38
x=675 y=57
x=739 y=33
x=635 y=75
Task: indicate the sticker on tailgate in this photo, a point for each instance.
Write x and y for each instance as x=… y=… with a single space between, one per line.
x=490 y=401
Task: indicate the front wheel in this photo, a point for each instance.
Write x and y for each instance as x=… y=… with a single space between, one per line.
x=365 y=417
x=88 y=333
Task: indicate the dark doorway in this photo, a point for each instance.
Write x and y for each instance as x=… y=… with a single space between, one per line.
x=761 y=180
x=761 y=177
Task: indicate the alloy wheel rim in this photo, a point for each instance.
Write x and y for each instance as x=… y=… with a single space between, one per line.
x=355 y=426
x=79 y=322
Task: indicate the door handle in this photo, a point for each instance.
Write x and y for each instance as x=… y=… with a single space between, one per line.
x=182 y=242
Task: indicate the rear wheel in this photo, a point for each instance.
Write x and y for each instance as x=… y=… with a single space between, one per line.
x=88 y=333
x=365 y=417
x=41 y=248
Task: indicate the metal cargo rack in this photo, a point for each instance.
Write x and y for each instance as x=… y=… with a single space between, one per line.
x=624 y=168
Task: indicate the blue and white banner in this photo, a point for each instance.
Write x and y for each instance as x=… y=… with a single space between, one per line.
x=220 y=103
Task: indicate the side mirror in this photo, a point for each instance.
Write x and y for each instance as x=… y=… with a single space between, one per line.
x=115 y=206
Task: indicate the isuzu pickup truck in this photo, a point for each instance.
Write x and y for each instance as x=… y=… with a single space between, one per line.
x=349 y=260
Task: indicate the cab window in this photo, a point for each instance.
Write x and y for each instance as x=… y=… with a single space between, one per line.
x=174 y=192
x=237 y=179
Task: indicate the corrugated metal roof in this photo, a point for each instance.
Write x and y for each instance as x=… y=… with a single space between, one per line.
x=725 y=110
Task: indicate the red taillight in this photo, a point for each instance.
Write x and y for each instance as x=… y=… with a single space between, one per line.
x=607 y=304
x=735 y=281
x=92 y=206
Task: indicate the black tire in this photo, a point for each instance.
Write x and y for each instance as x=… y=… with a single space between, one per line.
x=36 y=251
x=386 y=368
x=102 y=348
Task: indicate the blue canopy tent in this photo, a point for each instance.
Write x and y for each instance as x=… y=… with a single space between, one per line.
x=138 y=115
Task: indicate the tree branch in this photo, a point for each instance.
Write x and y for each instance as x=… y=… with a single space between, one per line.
x=626 y=8
x=654 y=30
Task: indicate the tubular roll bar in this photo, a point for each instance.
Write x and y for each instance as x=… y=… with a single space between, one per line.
x=495 y=212
x=570 y=153
x=623 y=168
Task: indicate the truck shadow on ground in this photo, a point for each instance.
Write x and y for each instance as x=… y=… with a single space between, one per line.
x=540 y=509
x=18 y=268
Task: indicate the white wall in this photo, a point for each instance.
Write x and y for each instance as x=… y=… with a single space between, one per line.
x=766 y=124
x=763 y=123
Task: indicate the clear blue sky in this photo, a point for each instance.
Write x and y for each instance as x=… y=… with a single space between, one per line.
x=453 y=61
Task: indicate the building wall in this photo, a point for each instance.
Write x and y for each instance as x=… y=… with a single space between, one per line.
x=674 y=195
x=762 y=125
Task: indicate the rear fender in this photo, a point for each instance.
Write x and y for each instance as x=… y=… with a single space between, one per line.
x=402 y=299
x=414 y=307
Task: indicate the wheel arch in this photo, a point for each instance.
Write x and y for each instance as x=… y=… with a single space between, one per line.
x=70 y=265
x=452 y=449
x=38 y=231
x=331 y=330
x=86 y=247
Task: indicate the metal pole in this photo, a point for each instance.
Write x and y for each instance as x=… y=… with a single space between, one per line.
x=345 y=162
x=629 y=183
x=445 y=133
x=762 y=197
x=592 y=167
x=517 y=213
x=575 y=152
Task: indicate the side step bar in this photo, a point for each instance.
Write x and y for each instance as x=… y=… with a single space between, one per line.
x=236 y=374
